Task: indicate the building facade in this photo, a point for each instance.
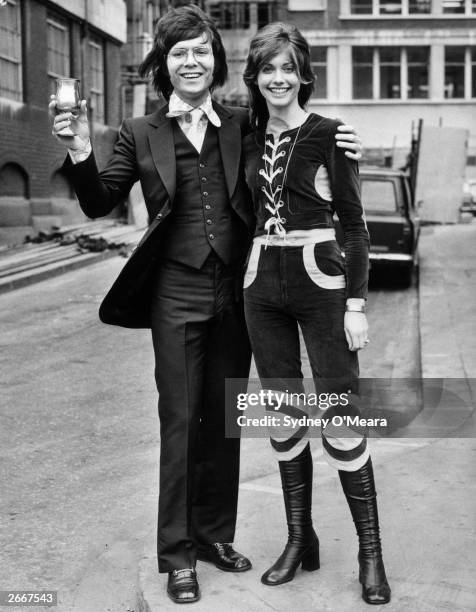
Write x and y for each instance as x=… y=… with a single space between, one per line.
x=380 y=64
x=40 y=41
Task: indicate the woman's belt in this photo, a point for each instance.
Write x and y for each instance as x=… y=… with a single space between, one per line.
x=298 y=237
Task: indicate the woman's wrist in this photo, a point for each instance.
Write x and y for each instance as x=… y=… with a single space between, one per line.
x=355 y=305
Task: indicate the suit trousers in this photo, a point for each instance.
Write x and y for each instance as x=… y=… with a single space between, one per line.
x=200 y=339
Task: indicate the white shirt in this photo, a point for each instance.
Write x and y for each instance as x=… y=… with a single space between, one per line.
x=193 y=121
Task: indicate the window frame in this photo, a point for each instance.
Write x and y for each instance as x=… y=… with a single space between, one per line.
x=240 y=14
x=319 y=67
x=60 y=23
x=16 y=61
x=436 y=10
x=96 y=42
x=378 y=65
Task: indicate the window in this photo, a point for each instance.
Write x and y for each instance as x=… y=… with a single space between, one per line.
x=454 y=72
x=389 y=7
x=265 y=13
x=307 y=5
x=418 y=60
x=378 y=195
x=419 y=6
x=362 y=72
x=96 y=71
x=453 y=6
x=390 y=69
x=473 y=72
x=59 y=60
x=382 y=72
x=231 y=15
x=10 y=51
x=319 y=66
x=361 y=7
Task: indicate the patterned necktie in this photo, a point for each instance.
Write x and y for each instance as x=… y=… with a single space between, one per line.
x=194 y=128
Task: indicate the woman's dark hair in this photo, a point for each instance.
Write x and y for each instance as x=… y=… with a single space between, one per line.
x=183 y=23
x=266 y=44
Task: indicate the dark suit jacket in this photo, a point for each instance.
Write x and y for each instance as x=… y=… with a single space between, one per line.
x=145 y=151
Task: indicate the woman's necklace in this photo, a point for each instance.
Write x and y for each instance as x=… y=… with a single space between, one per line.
x=274 y=195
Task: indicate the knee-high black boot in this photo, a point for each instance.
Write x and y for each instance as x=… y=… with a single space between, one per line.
x=359 y=489
x=303 y=545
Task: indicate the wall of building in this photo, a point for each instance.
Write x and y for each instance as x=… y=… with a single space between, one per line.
x=385 y=124
x=27 y=148
x=106 y=15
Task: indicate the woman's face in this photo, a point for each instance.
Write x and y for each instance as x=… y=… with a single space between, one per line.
x=278 y=81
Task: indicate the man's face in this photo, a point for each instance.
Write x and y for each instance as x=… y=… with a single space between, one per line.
x=191 y=64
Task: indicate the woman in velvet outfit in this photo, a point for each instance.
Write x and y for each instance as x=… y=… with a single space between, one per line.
x=296 y=277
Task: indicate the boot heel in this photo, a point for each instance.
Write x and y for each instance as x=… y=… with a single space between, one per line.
x=310 y=561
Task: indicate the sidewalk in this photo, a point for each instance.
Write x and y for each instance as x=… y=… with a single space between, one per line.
x=65 y=249
x=426 y=487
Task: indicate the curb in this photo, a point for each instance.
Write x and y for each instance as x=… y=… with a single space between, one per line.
x=23 y=279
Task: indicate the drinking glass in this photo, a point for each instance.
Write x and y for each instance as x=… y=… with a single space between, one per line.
x=68 y=100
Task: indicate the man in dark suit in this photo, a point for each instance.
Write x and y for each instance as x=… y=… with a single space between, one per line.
x=183 y=280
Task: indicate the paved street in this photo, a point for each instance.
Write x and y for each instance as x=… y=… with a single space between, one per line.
x=79 y=456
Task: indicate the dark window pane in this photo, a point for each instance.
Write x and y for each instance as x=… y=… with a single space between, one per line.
x=362 y=55
x=96 y=74
x=58 y=52
x=454 y=55
x=390 y=72
x=361 y=7
x=418 y=61
x=454 y=72
x=265 y=13
x=419 y=6
x=319 y=66
x=244 y=15
x=390 y=7
x=10 y=51
x=362 y=83
x=473 y=72
x=390 y=55
x=362 y=73
x=389 y=82
x=229 y=16
x=453 y=6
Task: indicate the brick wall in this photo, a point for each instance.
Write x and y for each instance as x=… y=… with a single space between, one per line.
x=25 y=130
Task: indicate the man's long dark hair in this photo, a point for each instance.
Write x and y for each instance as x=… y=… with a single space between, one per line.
x=183 y=23
x=266 y=44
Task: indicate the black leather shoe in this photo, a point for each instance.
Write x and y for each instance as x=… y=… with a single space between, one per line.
x=224 y=557
x=182 y=586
